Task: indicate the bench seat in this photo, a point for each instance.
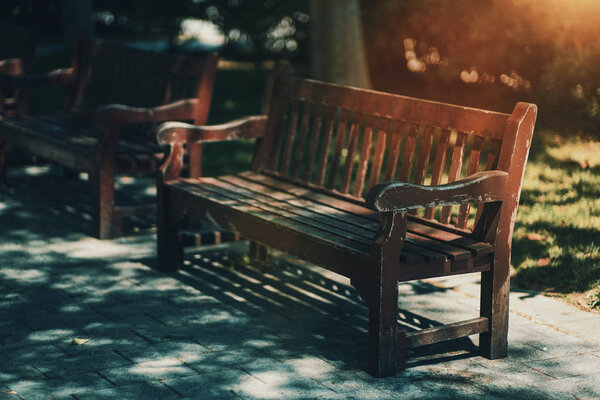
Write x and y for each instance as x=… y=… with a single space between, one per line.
x=72 y=140
x=329 y=223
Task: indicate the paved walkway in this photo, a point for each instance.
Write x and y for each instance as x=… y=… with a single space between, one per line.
x=87 y=319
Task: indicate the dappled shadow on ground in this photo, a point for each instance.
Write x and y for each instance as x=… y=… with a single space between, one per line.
x=90 y=317
x=64 y=192
x=77 y=325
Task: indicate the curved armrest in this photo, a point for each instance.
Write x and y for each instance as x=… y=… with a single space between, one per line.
x=175 y=134
x=114 y=115
x=242 y=128
x=399 y=196
x=59 y=77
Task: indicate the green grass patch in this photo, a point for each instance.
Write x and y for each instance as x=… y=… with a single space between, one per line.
x=556 y=243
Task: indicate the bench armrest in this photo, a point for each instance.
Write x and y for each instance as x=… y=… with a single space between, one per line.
x=11 y=66
x=59 y=77
x=399 y=196
x=175 y=134
x=114 y=115
x=242 y=128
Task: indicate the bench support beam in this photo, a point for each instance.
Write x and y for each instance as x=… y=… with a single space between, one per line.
x=447 y=332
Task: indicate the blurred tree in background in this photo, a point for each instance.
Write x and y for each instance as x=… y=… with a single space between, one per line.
x=491 y=54
x=486 y=53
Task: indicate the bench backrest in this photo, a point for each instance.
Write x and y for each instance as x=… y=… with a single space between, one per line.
x=109 y=73
x=344 y=140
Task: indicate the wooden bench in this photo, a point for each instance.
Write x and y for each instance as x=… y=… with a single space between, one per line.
x=116 y=95
x=377 y=187
x=17 y=48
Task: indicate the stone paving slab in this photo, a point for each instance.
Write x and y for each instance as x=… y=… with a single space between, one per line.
x=89 y=319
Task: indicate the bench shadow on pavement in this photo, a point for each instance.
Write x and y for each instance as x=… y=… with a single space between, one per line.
x=297 y=301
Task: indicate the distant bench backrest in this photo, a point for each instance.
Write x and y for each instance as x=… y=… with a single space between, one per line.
x=110 y=73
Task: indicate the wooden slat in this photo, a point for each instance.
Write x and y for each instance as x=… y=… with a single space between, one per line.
x=422 y=112
x=491 y=162
x=379 y=153
x=417 y=249
x=344 y=219
x=232 y=201
x=420 y=227
x=230 y=187
x=288 y=212
x=363 y=161
x=350 y=151
x=340 y=138
x=455 y=167
x=473 y=167
x=447 y=332
x=313 y=142
x=270 y=155
x=269 y=230
x=409 y=153
x=425 y=152
x=423 y=163
x=438 y=166
x=394 y=151
x=289 y=144
x=299 y=146
x=324 y=152
x=416 y=225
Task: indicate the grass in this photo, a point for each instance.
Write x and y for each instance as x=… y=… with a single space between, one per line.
x=556 y=243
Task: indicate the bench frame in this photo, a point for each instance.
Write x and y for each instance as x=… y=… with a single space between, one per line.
x=376 y=275
x=109 y=118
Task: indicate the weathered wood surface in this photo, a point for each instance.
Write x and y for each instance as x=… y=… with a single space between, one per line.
x=316 y=191
x=117 y=95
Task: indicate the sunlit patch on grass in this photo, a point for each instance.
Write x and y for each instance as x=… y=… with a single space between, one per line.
x=586 y=154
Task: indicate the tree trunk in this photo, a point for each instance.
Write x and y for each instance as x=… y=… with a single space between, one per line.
x=337 y=44
x=77 y=20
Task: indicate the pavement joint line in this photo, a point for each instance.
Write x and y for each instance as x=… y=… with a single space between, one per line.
x=189 y=366
x=142 y=336
x=105 y=377
x=124 y=356
x=155 y=319
x=40 y=371
x=533 y=318
x=162 y=382
x=254 y=376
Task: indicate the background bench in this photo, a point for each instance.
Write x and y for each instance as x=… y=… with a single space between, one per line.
x=115 y=96
x=315 y=191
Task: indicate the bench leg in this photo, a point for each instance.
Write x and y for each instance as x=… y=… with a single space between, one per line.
x=103 y=187
x=383 y=326
x=168 y=241
x=495 y=285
